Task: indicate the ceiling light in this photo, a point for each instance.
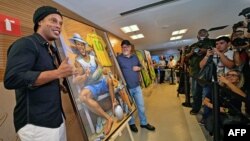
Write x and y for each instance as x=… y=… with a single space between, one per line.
x=134 y=37
x=138 y=36
x=178 y=37
x=182 y=31
x=175 y=38
x=126 y=29
x=130 y=28
x=175 y=32
x=134 y=28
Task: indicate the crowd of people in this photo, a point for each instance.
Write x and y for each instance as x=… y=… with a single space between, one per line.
x=162 y=66
x=226 y=60
x=31 y=71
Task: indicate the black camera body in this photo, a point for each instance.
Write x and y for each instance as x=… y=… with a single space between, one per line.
x=196 y=50
x=238 y=42
x=238 y=25
x=246 y=13
x=206 y=44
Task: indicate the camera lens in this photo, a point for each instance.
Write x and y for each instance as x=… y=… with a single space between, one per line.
x=196 y=50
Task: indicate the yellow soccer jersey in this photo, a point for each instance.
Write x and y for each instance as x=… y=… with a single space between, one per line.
x=99 y=46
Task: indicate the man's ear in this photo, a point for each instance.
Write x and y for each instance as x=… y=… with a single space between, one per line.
x=39 y=23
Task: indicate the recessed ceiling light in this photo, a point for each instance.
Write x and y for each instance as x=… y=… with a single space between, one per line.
x=130 y=28
x=134 y=37
x=177 y=32
x=126 y=29
x=134 y=28
x=175 y=38
x=182 y=31
x=138 y=36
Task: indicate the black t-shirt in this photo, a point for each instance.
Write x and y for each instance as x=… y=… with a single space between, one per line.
x=228 y=99
x=246 y=86
x=245 y=71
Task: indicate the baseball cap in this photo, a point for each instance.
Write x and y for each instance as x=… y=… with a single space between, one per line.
x=125 y=42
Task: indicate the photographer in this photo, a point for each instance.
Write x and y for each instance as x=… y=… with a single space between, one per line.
x=246 y=66
x=194 y=55
x=238 y=45
x=223 y=57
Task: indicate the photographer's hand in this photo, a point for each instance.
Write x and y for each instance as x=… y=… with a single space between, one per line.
x=216 y=51
x=190 y=53
x=209 y=52
x=183 y=49
x=223 y=110
x=203 y=50
x=231 y=86
x=223 y=80
x=203 y=62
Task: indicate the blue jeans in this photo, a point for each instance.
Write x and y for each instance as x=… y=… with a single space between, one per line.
x=207 y=91
x=193 y=86
x=136 y=93
x=198 y=95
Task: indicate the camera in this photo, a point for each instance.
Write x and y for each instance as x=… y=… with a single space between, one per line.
x=246 y=13
x=238 y=25
x=238 y=42
x=197 y=50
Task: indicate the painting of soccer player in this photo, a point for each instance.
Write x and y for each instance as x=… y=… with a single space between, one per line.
x=91 y=80
x=94 y=81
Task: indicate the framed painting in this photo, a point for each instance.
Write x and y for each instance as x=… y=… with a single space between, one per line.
x=97 y=89
x=144 y=71
x=150 y=65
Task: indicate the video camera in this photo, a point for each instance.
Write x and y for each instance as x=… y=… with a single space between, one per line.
x=239 y=41
x=246 y=13
x=239 y=24
x=206 y=43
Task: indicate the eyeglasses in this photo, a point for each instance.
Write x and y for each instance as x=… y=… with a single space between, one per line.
x=232 y=75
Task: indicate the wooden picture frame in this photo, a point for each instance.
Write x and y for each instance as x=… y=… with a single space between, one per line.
x=106 y=79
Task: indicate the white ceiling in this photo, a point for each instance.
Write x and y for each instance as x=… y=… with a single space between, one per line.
x=157 y=23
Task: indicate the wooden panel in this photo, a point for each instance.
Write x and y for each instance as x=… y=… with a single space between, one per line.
x=116 y=43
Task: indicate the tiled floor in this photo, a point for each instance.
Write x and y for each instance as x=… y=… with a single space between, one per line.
x=172 y=121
